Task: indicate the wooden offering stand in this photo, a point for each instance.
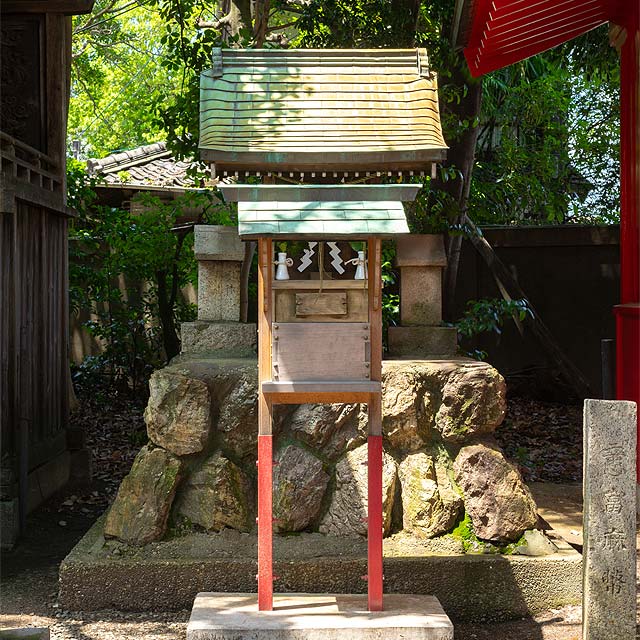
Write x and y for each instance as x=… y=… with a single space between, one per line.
x=320 y=341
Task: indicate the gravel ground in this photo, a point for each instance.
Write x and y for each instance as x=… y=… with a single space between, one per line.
x=28 y=584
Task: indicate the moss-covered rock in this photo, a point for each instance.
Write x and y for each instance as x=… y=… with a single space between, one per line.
x=140 y=511
x=299 y=485
x=431 y=505
x=407 y=407
x=215 y=496
x=473 y=402
x=330 y=429
x=499 y=503
x=178 y=414
x=347 y=513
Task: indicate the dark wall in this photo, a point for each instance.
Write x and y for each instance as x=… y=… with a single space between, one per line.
x=571 y=275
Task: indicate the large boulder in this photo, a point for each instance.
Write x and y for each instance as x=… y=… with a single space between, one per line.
x=215 y=496
x=407 y=408
x=331 y=429
x=179 y=412
x=499 y=503
x=140 y=511
x=237 y=422
x=431 y=505
x=473 y=402
x=299 y=484
x=348 y=509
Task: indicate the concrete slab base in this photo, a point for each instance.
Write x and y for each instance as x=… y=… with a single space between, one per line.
x=304 y=616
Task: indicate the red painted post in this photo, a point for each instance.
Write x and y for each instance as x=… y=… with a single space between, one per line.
x=628 y=312
x=265 y=523
x=375 y=524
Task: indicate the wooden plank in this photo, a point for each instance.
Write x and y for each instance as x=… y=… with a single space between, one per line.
x=56 y=80
x=510 y=287
x=374 y=247
x=265 y=278
x=322 y=386
x=315 y=284
x=318 y=398
x=320 y=351
x=357 y=306
x=321 y=304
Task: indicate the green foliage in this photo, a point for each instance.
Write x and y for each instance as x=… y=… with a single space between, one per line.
x=117 y=77
x=390 y=297
x=488 y=316
x=547 y=147
x=126 y=269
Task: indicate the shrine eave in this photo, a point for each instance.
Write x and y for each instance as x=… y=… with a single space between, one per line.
x=321 y=220
x=229 y=162
x=319 y=193
x=319 y=212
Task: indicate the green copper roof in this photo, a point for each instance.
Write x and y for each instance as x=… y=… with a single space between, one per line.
x=318 y=220
x=307 y=110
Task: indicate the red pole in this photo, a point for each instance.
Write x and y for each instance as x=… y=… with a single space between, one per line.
x=265 y=523
x=375 y=524
x=628 y=312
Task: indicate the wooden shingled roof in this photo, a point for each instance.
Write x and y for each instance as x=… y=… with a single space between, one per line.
x=320 y=211
x=309 y=110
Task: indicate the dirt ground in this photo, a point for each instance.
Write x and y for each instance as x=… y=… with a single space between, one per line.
x=29 y=573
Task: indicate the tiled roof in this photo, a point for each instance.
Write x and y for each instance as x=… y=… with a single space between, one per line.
x=152 y=165
x=306 y=109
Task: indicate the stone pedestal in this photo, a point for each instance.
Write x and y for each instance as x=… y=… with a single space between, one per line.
x=609 y=589
x=227 y=616
x=421 y=259
x=220 y=253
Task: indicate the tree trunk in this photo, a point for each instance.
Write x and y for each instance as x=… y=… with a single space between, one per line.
x=461 y=155
x=170 y=340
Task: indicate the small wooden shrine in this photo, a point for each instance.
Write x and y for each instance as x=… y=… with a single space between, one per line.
x=318 y=120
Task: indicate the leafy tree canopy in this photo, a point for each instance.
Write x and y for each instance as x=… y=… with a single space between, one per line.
x=547 y=130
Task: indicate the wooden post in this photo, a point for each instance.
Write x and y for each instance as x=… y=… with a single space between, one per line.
x=265 y=438
x=628 y=311
x=374 y=441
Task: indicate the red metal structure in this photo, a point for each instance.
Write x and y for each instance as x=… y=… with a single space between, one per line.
x=501 y=32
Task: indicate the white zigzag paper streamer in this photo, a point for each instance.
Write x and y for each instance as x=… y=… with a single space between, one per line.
x=335 y=254
x=306 y=259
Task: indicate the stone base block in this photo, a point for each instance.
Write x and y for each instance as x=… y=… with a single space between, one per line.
x=422 y=341
x=228 y=338
x=303 y=616
x=470 y=587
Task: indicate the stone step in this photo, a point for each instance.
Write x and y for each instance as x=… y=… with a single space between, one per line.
x=300 y=616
